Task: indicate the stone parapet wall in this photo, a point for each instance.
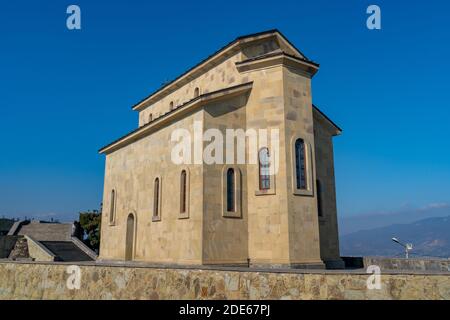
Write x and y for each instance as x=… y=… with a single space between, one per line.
x=385 y=263
x=408 y=264
x=37 y=251
x=108 y=281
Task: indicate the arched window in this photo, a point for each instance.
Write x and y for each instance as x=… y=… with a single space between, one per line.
x=183 y=191
x=300 y=164
x=112 y=206
x=171 y=105
x=264 y=169
x=196 y=92
x=129 y=238
x=156 y=197
x=319 y=198
x=230 y=191
x=150 y=117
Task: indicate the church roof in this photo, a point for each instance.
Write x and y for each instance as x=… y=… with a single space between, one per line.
x=289 y=51
x=233 y=45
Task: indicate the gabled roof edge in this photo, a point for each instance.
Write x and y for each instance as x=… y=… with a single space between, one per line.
x=236 y=88
x=230 y=44
x=328 y=119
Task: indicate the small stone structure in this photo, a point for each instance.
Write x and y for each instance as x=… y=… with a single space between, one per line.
x=44 y=241
x=13 y=247
x=20 y=249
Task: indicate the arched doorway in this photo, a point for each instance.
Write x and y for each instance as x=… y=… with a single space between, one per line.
x=129 y=246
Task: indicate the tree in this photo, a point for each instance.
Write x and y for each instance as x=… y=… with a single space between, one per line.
x=90 y=222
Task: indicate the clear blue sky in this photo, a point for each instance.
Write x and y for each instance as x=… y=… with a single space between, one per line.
x=64 y=94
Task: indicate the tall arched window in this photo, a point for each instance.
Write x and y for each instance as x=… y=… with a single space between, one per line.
x=171 y=105
x=112 y=206
x=196 y=92
x=156 y=197
x=230 y=191
x=300 y=164
x=150 y=117
x=319 y=198
x=264 y=169
x=183 y=191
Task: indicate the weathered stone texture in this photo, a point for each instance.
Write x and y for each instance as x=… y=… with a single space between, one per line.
x=48 y=281
x=19 y=249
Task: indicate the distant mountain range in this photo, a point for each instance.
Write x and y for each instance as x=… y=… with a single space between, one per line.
x=350 y=224
x=430 y=237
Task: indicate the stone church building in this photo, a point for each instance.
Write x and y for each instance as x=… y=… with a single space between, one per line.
x=158 y=211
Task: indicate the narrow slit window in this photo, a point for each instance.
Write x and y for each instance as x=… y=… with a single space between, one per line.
x=156 y=198
x=183 y=191
x=113 y=206
x=196 y=92
x=300 y=164
x=230 y=191
x=319 y=198
x=264 y=169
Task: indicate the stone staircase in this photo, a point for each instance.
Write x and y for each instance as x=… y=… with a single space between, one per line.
x=45 y=241
x=66 y=251
x=46 y=231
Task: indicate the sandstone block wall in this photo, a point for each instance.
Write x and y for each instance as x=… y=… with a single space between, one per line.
x=328 y=224
x=131 y=172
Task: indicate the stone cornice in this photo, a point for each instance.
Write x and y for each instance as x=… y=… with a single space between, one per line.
x=278 y=58
x=169 y=117
x=223 y=53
